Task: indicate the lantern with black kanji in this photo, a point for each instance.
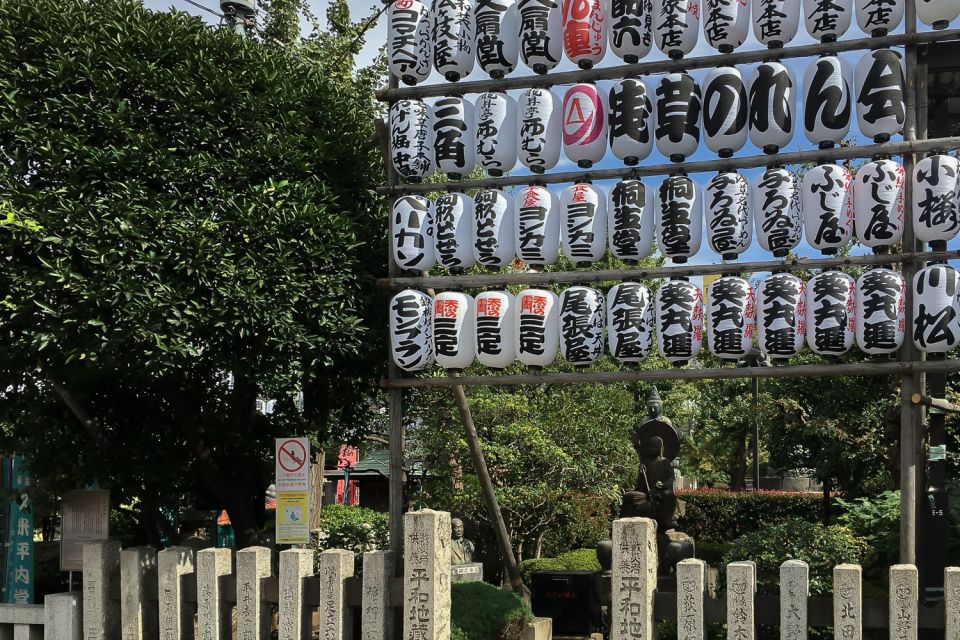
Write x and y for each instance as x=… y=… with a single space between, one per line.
x=584 y=125
x=541 y=34
x=631 y=29
x=938 y=13
x=878 y=203
x=730 y=317
x=725 y=24
x=411 y=227
x=827 y=20
x=727 y=216
x=411 y=330
x=775 y=22
x=678 y=116
x=676 y=25
x=878 y=17
x=584 y=31
x=631 y=120
x=679 y=213
x=538 y=226
x=454 y=144
x=776 y=211
x=630 y=220
x=411 y=139
x=581 y=325
x=827 y=204
x=496 y=116
x=880 y=94
x=724 y=111
x=831 y=313
x=493 y=228
x=881 y=300
x=781 y=315
x=538 y=113
x=630 y=322
x=771 y=106
x=936 y=183
x=537 y=330
x=409 y=41
x=498 y=23
x=583 y=223
x=496 y=329
x=453 y=330
x=454 y=32
x=454 y=217
x=827 y=106
x=936 y=309
x=679 y=320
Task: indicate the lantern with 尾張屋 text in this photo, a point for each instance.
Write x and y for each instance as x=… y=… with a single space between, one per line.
x=630 y=322
x=581 y=325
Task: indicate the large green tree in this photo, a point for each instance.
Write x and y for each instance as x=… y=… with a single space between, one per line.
x=189 y=223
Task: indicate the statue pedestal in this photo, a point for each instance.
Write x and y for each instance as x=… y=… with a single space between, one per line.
x=470 y=572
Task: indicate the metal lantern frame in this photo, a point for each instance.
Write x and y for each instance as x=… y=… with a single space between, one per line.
x=911 y=365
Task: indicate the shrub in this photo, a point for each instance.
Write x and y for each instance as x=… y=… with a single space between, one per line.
x=480 y=611
x=876 y=520
x=820 y=547
x=576 y=560
x=352 y=528
x=724 y=516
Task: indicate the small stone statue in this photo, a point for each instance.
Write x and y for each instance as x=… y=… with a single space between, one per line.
x=462 y=549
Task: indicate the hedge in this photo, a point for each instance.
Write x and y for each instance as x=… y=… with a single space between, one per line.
x=481 y=611
x=724 y=516
x=576 y=560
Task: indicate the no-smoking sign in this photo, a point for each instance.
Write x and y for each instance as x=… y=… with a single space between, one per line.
x=293 y=468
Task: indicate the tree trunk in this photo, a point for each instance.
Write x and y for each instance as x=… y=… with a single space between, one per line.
x=827 y=489
x=738 y=479
x=539 y=547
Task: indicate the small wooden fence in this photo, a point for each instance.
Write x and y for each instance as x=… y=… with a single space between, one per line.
x=215 y=594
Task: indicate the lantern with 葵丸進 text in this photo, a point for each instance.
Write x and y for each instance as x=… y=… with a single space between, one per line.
x=831 y=313
x=453 y=330
x=730 y=317
x=411 y=330
x=781 y=315
x=679 y=308
x=881 y=300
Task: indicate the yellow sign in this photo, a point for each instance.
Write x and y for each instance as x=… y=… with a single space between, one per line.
x=293 y=517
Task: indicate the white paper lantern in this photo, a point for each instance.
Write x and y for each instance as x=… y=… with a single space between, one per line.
x=880 y=98
x=538 y=226
x=827 y=204
x=878 y=203
x=879 y=17
x=541 y=34
x=496 y=132
x=679 y=320
x=584 y=31
x=537 y=327
x=679 y=212
x=938 y=13
x=411 y=330
x=412 y=231
x=678 y=116
x=775 y=22
x=583 y=227
x=584 y=125
x=631 y=29
x=498 y=23
x=454 y=32
x=630 y=322
x=725 y=109
x=631 y=120
x=411 y=139
x=725 y=24
x=936 y=309
x=493 y=228
x=409 y=41
x=630 y=220
x=454 y=144
x=539 y=121
x=936 y=183
x=676 y=25
x=827 y=20
x=727 y=214
x=781 y=315
x=454 y=231
x=581 y=325
x=496 y=329
x=881 y=299
x=453 y=330
x=831 y=313
x=826 y=101
x=776 y=210
x=730 y=317
x=771 y=106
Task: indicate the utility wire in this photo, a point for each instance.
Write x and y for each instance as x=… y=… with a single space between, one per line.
x=208 y=10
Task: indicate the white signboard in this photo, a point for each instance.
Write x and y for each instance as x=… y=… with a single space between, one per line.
x=293 y=490
x=85 y=517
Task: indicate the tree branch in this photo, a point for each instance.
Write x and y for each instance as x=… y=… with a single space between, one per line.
x=88 y=423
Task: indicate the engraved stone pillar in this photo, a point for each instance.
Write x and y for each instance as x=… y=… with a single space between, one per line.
x=904 y=598
x=295 y=565
x=634 y=578
x=138 y=615
x=691 y=581
x=213 y=616
x=253 y=615
x=176 y=615
x=376 y=620
x=951 y=594
x=794 y=589
x=741 y=587
x=101 y=614
x=336 y=622
x=426 y=575
x=847 y=602
x=62 y=617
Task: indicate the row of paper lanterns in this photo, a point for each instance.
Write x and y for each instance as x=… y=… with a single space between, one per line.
x=453 y=34
x=455 y=135
x=827 y=205
x=829 y=313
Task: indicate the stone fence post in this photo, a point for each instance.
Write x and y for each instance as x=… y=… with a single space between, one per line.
x=426 y=575
x=794 y=589
x=847 y=602
x=376 y=620
x=634 y=579
x=101 y=614
x=63 y=617
x=295 y=615
x=139 y=619
x=253 y=615
x=176 y=615
x=213 y=617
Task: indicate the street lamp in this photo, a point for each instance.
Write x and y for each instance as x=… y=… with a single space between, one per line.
x=754 y=358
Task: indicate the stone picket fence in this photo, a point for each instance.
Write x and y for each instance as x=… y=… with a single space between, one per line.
x=212 y=595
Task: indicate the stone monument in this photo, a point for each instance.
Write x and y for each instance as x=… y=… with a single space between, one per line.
x=463 y=568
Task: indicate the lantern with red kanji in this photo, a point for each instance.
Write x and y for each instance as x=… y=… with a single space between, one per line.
x=495 y=327
x=537 y=334
x=453 y=330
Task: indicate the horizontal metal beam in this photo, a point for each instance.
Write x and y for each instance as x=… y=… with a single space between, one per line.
x=897 y=148
x=545 y=278
x=660 y=66
x=715 y=373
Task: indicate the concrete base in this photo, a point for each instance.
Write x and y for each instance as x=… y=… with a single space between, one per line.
x=539 y=629
x=470 y=572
